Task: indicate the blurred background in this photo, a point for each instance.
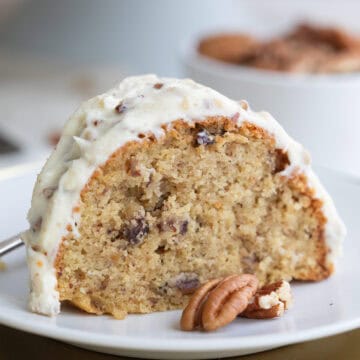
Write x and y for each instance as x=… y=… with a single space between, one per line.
x=54 y=54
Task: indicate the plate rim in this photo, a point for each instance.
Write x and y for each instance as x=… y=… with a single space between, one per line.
x=178 y=344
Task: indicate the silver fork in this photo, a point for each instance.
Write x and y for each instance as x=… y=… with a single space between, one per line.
x=10 y=244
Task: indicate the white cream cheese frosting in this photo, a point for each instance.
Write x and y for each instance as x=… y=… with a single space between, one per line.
x=103 y=124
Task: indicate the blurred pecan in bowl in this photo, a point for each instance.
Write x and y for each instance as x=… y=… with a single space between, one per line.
x=231 y=48
x=305 y=49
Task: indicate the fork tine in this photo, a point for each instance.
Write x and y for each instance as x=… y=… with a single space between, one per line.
x=10 y=244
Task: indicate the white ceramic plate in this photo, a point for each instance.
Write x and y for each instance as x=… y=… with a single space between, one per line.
x=320 y=309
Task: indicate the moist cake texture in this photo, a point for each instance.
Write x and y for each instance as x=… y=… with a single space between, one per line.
x=162 y=184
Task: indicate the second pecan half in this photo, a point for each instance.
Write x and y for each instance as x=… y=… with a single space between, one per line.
x=270 y=301
x=218 y=302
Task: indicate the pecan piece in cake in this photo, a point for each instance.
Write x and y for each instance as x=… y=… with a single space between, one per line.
x=135 y=231
x=173 y=225
x=281 y=161
x=187 y=283
x=183 y=227
x=203 y=137
x=132 y=167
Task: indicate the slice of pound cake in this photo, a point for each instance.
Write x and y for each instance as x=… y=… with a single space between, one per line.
x=159 y=185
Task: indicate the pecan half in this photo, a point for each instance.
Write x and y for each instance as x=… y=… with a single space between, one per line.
x=270 y=301
x=218 y=302
x=191 y=316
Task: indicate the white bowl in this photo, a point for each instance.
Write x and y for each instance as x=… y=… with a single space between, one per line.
x=320 y=111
